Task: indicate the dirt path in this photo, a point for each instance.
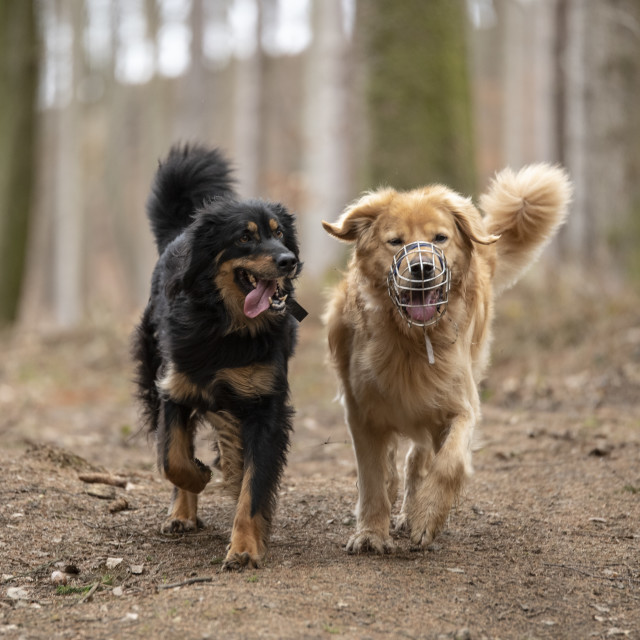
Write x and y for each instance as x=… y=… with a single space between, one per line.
x=545 y=542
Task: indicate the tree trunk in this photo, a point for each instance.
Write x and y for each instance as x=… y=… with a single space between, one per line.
x=68 y=216
x=248 y=111
x=418 y=93
x=326 y=135
x=19 y=58
x=602 y=145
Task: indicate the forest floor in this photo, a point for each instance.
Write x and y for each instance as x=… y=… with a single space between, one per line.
x=545 y=542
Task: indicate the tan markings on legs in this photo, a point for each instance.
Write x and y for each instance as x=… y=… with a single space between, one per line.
x=183 y=513
x=181 y=469
x=177 y=386
x=251 y=381
x=229 y=441
x=248 y=536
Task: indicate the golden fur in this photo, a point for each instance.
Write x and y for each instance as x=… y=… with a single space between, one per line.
x=388 y=386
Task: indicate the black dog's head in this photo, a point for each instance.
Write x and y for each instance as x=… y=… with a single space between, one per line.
x=243 y=253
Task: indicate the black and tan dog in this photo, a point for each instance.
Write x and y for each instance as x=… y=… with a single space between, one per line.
x=214 y=342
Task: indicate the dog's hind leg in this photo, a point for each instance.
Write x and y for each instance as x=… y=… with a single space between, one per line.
x=230 y=459
x=183 y=513
x=416 y=465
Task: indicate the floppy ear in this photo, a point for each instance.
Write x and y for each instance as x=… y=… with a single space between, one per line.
x=358 y=217
x=469 y=222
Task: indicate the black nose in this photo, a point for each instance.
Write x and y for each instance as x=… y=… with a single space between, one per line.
x=422 y=269
x=286 y=262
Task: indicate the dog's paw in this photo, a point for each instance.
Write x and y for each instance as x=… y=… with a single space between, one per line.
x=369 y=541
x=180 y=525
x=422 y=534
x=240 y=561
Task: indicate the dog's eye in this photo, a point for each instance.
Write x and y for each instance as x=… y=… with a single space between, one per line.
x=245 y=237
x=278 y=233
x=440 y=237
x=395 y=242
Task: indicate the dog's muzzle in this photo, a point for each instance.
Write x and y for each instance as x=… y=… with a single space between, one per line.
x=419 y=282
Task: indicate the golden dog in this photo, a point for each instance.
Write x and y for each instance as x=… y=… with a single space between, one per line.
x=409 y=331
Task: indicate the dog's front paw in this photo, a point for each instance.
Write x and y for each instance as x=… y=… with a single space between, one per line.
x=369 y=541
x=424 y=530
x=240 y=561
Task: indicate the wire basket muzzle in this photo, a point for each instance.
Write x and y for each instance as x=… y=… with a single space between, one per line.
x=419 y=282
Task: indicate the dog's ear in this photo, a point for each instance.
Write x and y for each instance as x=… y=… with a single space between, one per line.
x=469 y=222
x=359 y=216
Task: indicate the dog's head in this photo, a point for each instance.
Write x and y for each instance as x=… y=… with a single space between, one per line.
x=413 y=245
x=243 y=253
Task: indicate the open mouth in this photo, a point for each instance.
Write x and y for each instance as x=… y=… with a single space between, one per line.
x=418 y=283
x=421 y=305
x=261 y=294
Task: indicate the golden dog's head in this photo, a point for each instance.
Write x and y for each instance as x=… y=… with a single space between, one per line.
x=387 y=226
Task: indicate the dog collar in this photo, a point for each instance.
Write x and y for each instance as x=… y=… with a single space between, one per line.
x=297 y=310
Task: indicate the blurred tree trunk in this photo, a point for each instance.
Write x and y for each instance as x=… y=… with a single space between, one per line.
x=69 y=222
x=418 y=93
x=19 y=58
x=601 y=122
x=326 y=133
x=248 y=112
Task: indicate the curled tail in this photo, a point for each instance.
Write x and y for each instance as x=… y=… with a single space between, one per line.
x=190 y=176
x=525 y=209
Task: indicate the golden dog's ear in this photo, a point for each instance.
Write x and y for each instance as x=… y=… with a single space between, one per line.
x=469 y=222
x=359 y=216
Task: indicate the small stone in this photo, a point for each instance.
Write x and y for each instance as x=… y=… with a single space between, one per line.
x=17 y=593
x=117 y=591
x=462 y=634
x=136 y=569
x=58 y=577
x=112 y=563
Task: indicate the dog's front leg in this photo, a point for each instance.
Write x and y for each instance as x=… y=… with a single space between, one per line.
x=428 y=509
x=373 y=511
x=176 y=431
x=265 y=437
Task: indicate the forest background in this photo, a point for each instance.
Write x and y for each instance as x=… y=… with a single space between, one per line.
x=314 y=102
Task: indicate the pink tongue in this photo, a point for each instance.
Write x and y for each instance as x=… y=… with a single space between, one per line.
x=257 y=300
x=421 y=314
x=424 y=312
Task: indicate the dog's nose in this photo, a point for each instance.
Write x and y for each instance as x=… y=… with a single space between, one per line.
x=286 y=262
x=422 y=269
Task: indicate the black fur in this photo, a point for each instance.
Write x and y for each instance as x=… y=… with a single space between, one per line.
x=194 y=326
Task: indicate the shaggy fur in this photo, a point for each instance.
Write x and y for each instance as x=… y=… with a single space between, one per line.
x=214 y=342
x=388 y=386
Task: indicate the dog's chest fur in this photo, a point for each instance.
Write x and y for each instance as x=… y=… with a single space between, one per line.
x=392 y=377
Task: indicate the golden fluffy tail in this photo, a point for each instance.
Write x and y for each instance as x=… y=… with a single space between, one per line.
x=525 y=209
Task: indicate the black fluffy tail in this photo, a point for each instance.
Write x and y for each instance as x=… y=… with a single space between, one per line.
x=190 y=176
x=146 y=354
